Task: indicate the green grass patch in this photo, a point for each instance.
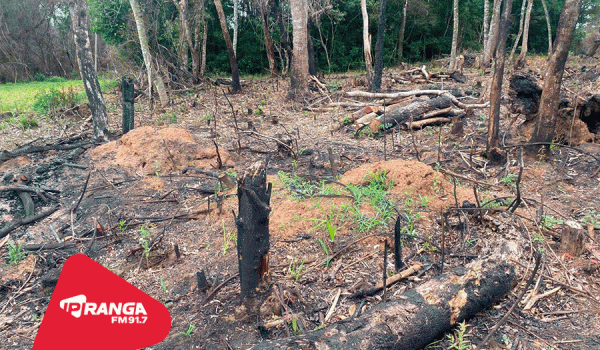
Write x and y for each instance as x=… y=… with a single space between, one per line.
x=21 y=97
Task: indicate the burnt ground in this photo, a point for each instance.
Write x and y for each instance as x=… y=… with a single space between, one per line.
x=137 y=185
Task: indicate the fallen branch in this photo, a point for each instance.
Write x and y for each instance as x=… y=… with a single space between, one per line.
x=16 y=223
x=416 y=93
x=6 y=155
x=416 y=267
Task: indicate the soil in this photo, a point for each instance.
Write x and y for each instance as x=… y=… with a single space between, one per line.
x=137 y=180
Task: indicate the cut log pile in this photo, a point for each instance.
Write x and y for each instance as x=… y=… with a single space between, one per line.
x=421 y=76
x=409 y=110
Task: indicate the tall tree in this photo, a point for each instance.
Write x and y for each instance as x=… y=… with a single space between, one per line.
x=263 y=7
x=486 y=23
x=521 y=58
x=547 y=114
x=518 y=39
x=493 y=35
x=236 y=24
x=401 y=33
x=185 y=35
x=454 y=35
x=79 y=16
x=366 y=40
x=283 y=33
x=548 y=26
x=376 y=82
x=299 y=71
x=492 y=150
x=235 y=74
x=153 y=75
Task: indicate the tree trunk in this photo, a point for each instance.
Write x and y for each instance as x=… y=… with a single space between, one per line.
x=153 y=76
x=549 y=26
x=521 y=22
x=378 y=72
x=264 y=19
x=283 y=36
x=546 y=118
x=299 y=73
x=417 y=317
x=412 y=112
x=366 y=40
x=79 y=17
x=312 y=64
x=401 y=33
x=521 y=58
x=493 y=35
x=254 y=196
x=486 y=23
x=454 y=36
x=236 y=24
x=496 y=86
x=197 y=7
x=235 y=74
x=204 y=39
x=185 y=34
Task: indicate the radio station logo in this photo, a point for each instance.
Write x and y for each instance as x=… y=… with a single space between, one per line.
x=78 y=306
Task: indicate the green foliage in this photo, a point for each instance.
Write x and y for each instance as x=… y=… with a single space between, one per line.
x=325 y=250
x=228 y=237
x=144 y=239
x=295 y=269
x=189 y=330
x=509 y=180
x=549 y=221
x=48 y=101
x=15 y=254
x=458 y=338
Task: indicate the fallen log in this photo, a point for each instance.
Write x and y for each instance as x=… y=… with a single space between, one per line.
x=416 y=93
x=418 y=316
x=414 y=111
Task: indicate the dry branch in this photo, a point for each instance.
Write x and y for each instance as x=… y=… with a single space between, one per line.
x=416 y=93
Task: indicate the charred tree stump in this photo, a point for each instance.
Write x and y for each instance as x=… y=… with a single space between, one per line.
x=252 y=223
x=418 y=316
x=128 y=100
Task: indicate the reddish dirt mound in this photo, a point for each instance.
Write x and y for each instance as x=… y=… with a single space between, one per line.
x=152 y=151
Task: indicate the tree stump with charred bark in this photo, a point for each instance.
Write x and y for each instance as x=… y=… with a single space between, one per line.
x=252 y=223
x=418 y=316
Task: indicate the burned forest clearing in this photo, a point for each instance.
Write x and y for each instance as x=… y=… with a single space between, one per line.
x=348 y=170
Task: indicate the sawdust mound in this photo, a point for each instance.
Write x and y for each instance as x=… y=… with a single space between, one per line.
x=149 y=151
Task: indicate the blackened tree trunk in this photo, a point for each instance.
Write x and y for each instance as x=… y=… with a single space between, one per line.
x=546 y=118
x=79 y=16
x=299 y=74
x=492 y=150
x=375 y=84
x=253 y=227
x=235 y=74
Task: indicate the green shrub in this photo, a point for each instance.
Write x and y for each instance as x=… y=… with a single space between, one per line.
x=49 y=101
x=28 y=121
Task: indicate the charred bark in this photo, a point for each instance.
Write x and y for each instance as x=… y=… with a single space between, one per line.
x=418 y=316
x=253 y=227
x=375 y=84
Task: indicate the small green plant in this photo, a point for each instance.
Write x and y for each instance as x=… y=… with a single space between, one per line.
x=35 y=318
x=325 y=250
x=263 y=102
x=228 y=237
x=3 y=125
x=259 y=111
x=437 y=185
x=331 y=229
x=27 y=122
x=458 y=339
x=505 y=339
x=509 y=180
x=348 y=120
x=208 y=117
x=163 y=286
x=424 y=201
x=295 y=325
x=122 y=224
x=549 y=221
x=333 y=85
x=428 y=131
x=15 y=254
x=591 y=219
x=296 y=270
x=189 y=331
x=156 y=168
x=471 y=242
x=537 y=238
x=145 y=235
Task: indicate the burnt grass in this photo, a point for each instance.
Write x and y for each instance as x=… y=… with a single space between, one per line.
x=141 y=198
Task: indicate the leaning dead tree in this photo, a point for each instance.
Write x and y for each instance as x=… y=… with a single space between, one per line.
x=418 y=316
x=252 y=223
